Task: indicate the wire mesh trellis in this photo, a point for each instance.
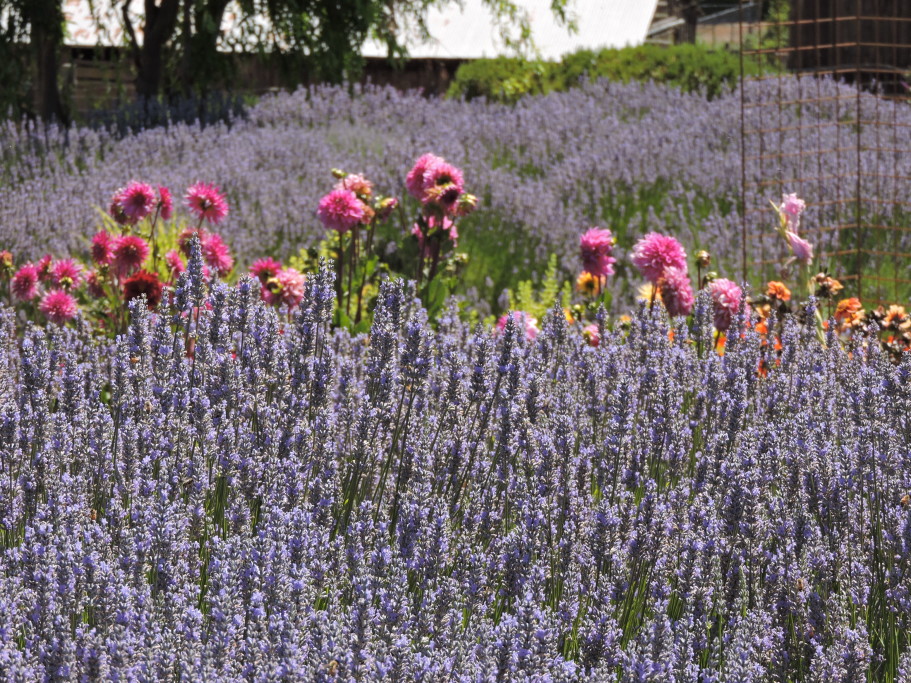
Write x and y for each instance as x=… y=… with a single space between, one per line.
x=830 y=119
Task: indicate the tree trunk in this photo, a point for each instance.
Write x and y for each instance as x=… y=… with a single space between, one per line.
x=46 y=38
x=200 y=68
x=160 y=21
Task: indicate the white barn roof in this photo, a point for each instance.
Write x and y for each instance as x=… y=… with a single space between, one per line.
x=470 y=33
x=466 y=32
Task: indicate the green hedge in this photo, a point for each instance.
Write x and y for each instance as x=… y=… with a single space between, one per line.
x=689 y=67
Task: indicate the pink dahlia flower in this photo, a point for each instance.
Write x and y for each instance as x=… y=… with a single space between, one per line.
x=102 y=248
x=24 y=284
x=676 y=291
x=655 y=252
x=66 y=274
x=414 y=181
x=206 y=201
x=165 y=203
x=135 y=201
x=726 y=301
x=287 y=287
x=340 y=210
x=443 y=185
x=216 y=254
x=524 y=320
x=175 y=263
x=596 y=246
x=265 y=268
x=802 y=249
x=129 y=253
x=58 y=306
x=357 y=184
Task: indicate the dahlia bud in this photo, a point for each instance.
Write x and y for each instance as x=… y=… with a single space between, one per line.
x=338 y=173
x=385 y=206
x=6 y=263
x=466 y=204
x=703 y=259
x=711 y=275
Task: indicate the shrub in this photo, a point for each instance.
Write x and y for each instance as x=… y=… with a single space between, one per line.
x=688 y=67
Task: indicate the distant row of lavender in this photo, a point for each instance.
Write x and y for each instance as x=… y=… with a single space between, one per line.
x=221 y=496
x=548 y=168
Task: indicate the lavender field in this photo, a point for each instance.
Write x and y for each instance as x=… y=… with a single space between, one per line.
x=237 y=444
x=632 y=157
x=437 y=505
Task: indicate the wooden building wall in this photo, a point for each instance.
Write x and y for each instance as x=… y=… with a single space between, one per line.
x=100 y=78
x=844 y=37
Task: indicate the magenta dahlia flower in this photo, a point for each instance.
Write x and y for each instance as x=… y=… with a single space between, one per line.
x=24 y=284
x=216 y=254
x=524 y=320
x=655 y=252
x=102 y=248
x=265 y=268
x=414 y=181
x=676 y=291
x=135 y=202
x=340 y=210
x=175 y=263
x=58 y=306
x=66 y=274
x=596 y=246
x=165 y=203
x=206 y=201
x=129 y=253
x=725 y=300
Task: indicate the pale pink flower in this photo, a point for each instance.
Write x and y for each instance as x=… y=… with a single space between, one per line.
x=66 y=274
x=725 y=300
x=129 y=253
x=802 y=249
x=340 y=210
x=58 y=306
x=792 y=206
x=524 y=320
x=356 y=183
x=596 y=246
x=102 y=248
x=415 y=178
x=654 y=253
x=206 y=201
x=676 y=291
x=24 y=284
